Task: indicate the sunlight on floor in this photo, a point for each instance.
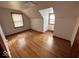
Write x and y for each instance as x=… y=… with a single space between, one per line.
x=50 y=41
x=21 y=39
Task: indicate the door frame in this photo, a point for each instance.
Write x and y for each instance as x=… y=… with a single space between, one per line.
x=5 y=41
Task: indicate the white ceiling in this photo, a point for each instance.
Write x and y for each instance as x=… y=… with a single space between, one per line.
x=66 y=8
x=21 y=5
x=12 y=5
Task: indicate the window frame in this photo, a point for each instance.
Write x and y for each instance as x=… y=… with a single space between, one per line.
x=13 y=21
x=49 y=18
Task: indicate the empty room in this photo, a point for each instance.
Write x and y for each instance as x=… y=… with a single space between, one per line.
x=39 y=29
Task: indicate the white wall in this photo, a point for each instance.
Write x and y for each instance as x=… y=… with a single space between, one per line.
x=75 y=31
x=65 y=14
x=36 y=20
x=64 y=28
x=37 y=24
x=45 y=14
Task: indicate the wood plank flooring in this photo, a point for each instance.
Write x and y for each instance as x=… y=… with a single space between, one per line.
x=34 y=44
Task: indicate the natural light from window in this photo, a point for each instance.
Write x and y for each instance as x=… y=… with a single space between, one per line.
x=51 y=18
x=17 y=19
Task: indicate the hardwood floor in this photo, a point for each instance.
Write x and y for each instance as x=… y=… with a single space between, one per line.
x=35 y=44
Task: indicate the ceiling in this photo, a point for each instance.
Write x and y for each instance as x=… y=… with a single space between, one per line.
x=65 y=8
x=12 y=5
x=21 y=5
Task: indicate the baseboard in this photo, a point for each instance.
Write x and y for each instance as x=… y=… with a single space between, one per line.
x=17 y=32
x=23 y=31
x=61 y=38
x=37 y=31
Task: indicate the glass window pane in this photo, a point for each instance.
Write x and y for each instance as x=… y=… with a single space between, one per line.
x=52 y=16
x=52 y=22
x=18 y=24
x=52 y=19
x=17 y=19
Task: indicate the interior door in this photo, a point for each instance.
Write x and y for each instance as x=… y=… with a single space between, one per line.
x=75 y=47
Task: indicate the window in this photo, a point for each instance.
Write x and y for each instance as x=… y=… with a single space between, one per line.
x=17 y=19
x=51 y=18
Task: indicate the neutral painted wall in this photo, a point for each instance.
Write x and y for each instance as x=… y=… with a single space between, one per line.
x=35 y=18
x=64 y=28
x=66 y=14
x=37 y=24
x=75 y=31
x=7 y=23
